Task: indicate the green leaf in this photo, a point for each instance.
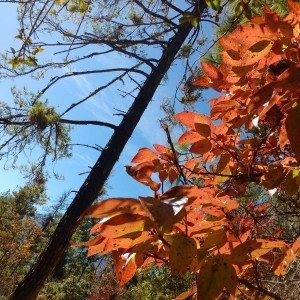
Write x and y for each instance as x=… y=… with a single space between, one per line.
x=242 y=8
x=30 y=61
x=81 y=6
x=72 y=8
x=195 y=21
x=189 y=18
x=37 y=50
x=214 y=4
x=61 y=2
x=15 y=62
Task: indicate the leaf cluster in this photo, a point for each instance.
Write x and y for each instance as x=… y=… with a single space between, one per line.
x=201 y=225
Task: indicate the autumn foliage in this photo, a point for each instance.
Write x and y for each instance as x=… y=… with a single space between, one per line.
x=251 y=136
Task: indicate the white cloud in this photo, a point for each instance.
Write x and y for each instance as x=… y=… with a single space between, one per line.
x=149 y=127
x=84 y=159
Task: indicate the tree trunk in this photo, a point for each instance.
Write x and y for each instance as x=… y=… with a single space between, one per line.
x=89 y=191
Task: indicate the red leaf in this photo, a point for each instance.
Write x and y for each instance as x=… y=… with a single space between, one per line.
x=294 y=6
x=163 y=150
x=186 y=118
x=189 y=137
x=289 y=79
x=211 y=71
x=293 y=129
x=173 y=174
x=144 y=155
x=201 y=147
x=203 y=125
x=202 y=82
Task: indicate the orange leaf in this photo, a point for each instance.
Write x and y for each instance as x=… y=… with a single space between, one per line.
x=289 y=79
x=181 y=191
x=186 y=118
x=283 y=138
x=215 y=275
x=253 y=249
x=187 y=294
x=108 y=245
x=143 y=155
x=273 y=177
x=114 y=206
x=143 y=172
x=225 y=202
x=291 y=185
x=214 y=211
x=202 y=82
x=214 y=238
x=296 y=246
x=289 y=257
x=294 y=6
x=201 y=147
x=158 y=210
x=125 y=268
x=173 y=174
x=223 y=162
x=203 y=125
x=292 y=125
x=124 y=224
x=163 y=175
x=182 y=253
x=190 y=166
x=245 y=36
x=95 y=241
x=189 y=137
x=163 y=150
x=211 y=71
x=261 y=96
x=256 y=52
x=283 y=265
x=201 y=225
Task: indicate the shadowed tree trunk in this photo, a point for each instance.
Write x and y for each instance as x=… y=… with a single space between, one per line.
x=89 y=191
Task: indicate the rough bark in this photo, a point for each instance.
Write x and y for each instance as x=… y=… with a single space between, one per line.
x=89 y=191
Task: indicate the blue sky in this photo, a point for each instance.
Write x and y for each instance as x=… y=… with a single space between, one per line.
x=101 y=108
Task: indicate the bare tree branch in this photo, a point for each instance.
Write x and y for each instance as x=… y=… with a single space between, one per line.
x=91 y=188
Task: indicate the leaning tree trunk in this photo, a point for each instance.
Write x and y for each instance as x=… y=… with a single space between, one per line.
x=89 y=191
